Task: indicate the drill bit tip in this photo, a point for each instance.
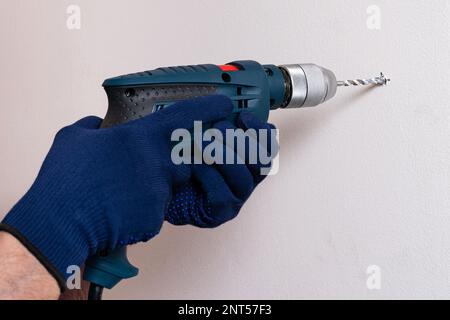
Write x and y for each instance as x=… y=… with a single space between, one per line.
x=379 y=81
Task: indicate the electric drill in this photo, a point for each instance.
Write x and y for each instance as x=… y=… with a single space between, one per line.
x=250 y=86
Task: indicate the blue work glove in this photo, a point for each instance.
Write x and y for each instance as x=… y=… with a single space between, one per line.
x=99 y=189
x=216 y=193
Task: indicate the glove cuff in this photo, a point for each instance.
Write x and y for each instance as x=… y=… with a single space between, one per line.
x=60 y=228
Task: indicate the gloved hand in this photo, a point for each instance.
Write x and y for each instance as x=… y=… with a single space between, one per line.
x=103 y=188
x=216 y=193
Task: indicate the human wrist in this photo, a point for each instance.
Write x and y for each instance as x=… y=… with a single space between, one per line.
x=23 y=276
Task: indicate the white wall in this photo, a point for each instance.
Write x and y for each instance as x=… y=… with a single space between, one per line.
x=364 y=180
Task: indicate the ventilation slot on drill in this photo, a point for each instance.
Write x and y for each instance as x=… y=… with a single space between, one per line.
x=242 y=103
x=158 y=107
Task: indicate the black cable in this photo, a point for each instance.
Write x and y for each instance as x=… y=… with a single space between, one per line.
x=95 y=292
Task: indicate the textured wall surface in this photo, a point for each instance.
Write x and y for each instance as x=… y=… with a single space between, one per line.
x=363 y=180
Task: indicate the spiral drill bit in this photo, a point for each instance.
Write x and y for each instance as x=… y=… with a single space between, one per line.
x=379 y=81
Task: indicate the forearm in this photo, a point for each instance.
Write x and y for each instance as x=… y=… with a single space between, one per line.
x=22 y=276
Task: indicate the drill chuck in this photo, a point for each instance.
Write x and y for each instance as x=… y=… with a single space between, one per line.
x=308 y=85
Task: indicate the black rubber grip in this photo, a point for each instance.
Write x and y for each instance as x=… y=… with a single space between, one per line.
x=131 y=103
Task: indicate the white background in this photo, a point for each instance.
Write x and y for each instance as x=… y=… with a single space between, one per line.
x=364 y=179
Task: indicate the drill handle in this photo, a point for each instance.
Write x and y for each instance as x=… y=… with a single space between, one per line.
x=107 y=270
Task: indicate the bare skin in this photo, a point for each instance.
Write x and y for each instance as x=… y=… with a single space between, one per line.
x=23 y=277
